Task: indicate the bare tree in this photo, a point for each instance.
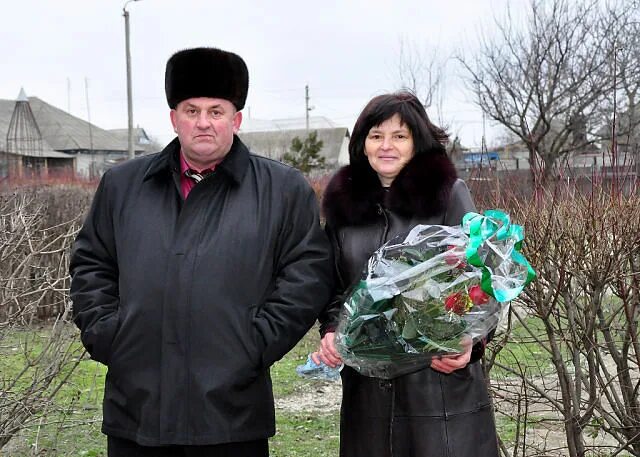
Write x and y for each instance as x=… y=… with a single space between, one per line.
x=549 y=76
x=422 y=72
x=622 y=118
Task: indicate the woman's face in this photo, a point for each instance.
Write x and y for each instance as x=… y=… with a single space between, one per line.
x=389 y=147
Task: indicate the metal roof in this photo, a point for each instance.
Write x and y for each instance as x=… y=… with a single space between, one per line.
x=41 y=147
x=61 y=130
x=293 y=123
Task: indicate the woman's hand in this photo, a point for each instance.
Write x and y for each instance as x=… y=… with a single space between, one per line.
x=328 y=353
x=449 y=364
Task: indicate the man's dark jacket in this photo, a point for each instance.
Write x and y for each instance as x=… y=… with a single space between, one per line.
x=189 y=302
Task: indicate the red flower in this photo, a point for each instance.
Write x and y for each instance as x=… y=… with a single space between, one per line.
x=454 y=258
x=477 y=295
x=457 y=302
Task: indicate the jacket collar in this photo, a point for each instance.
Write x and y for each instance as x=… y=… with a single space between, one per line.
x=421 y=189
x=234 y=164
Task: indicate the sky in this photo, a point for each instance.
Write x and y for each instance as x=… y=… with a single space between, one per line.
x=71 y=54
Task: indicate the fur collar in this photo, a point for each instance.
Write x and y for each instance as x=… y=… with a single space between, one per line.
x=420 y=190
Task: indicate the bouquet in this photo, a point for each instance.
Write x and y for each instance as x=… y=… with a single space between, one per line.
x=423 y=295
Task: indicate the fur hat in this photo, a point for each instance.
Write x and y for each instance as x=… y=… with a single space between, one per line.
x=206 y=72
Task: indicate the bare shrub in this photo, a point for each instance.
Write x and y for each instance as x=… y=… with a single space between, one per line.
x=572 y=385
x=38 y=343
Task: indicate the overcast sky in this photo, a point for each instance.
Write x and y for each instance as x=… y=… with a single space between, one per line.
x=346 y=51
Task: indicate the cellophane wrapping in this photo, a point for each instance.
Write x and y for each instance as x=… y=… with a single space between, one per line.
x=431 y=293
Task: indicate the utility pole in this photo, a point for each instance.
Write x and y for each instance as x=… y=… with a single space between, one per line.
x=125 y=13
x=306 y=104
x=484 y=133
x=92 y=168
x=86 y=95
x=68 y=96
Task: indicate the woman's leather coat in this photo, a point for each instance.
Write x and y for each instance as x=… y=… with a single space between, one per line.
x=425 y=413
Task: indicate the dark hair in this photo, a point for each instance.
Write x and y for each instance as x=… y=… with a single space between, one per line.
x=427 y=138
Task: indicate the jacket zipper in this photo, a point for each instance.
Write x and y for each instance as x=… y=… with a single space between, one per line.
x=385 y=233
x=388 y=384
x=446 y=417
x=393 y=415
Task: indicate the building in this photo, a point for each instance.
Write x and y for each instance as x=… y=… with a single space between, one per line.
x=23 y=151
x=275 y=143
x=627 y=133
x=43 y=138
x=141 y=140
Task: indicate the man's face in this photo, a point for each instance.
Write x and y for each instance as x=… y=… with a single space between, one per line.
x=205 y=128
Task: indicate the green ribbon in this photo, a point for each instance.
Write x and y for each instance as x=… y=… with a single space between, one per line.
x=496 y=225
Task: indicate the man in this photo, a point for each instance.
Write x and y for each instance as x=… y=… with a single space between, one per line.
x=196 y=269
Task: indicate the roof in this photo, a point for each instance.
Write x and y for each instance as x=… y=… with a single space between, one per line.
x=61 y=130
x=274 y=144
x=141 y=141
x=22 y=96
x=293 y=123
x=480 y=157
x=6 y=112
x=627 y=129
x=138 y=133
x=46 y=152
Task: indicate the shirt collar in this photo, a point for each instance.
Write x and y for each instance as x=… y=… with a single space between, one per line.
x=234 y=164
x=184 y=166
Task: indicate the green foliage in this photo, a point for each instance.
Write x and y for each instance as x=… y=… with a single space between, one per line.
x=507 y=429
x=283 y=373
x=305 y=155
x=306 y=435
x=72 y=426
x=522 y=352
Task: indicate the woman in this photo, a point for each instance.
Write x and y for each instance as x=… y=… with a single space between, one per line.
x=400 y=176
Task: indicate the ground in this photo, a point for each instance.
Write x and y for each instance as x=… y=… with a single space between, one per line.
x=320 y=396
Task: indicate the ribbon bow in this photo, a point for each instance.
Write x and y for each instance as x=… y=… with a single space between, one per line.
x=493 y=240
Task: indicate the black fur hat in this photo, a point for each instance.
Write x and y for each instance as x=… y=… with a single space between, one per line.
x=206 y=72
